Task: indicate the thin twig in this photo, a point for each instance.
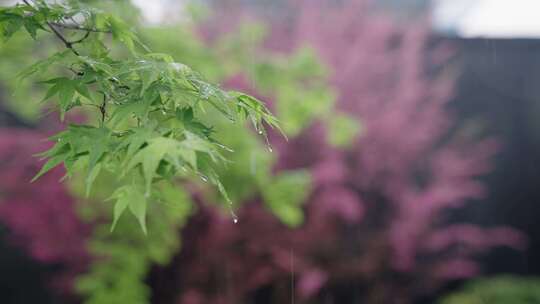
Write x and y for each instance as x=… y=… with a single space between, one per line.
x=57 y=33
x=103 y=109
x=82 y=39
x=68 y=44
x=90 y=105
x=79 y=28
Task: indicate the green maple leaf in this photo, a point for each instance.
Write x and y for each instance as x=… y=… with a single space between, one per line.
x=182 y=154
x=75 y=143
x=66 y=88
x=136 y=139
x=150 y=156
x=43 y=65
x=129 y=197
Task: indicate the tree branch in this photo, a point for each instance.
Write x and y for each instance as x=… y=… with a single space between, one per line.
x=68 y=44
x=79 y=28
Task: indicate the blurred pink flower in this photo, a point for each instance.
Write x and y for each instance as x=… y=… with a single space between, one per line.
x=40 y=216
x=377 y=212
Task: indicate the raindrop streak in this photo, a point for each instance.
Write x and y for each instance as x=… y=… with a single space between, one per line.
x=292 y=275
x=268 y=145
x=494 y=51
x=253 y=163
x=203 y=178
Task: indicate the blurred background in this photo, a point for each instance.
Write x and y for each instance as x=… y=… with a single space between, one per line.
x=411 y=173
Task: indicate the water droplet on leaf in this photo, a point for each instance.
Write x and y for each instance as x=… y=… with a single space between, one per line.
x=224 y=147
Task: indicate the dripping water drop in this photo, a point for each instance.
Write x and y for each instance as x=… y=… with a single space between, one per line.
x=268 y=145
x=233 y=214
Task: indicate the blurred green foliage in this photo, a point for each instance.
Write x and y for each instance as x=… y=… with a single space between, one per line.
x=18 y=52
x=500 y=290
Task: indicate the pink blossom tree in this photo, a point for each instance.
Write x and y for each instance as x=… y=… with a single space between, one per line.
x=376 y=228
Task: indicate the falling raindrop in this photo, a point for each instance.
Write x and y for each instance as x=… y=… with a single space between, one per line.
x=268 y=145
x=253 y=163
x=233 y=215
x=292 y=275
x=203 y=178
x=260 y=132
x=231 y=211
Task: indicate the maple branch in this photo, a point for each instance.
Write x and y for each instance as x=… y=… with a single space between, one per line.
x=68 y=44
x=79 y=28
